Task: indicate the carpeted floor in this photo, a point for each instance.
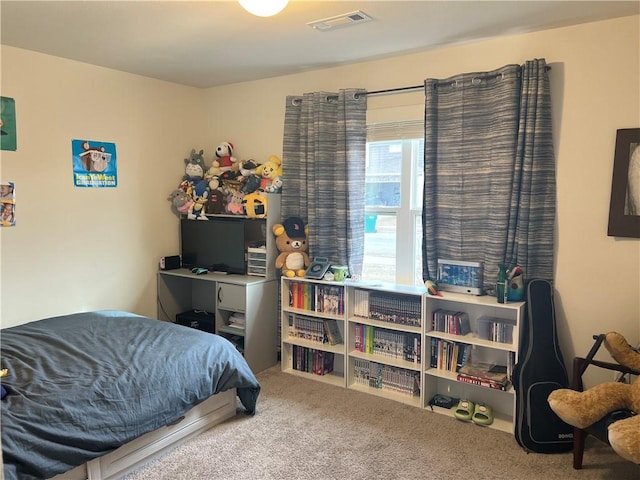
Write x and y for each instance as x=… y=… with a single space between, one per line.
x=309 y=430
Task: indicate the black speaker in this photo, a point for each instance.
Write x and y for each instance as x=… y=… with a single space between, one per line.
x=170 y=263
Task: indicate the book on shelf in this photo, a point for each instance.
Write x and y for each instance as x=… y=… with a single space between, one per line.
x=448 y=321
x=306 y=328
x=495 y=329
x=332 y=331
x=386 y=377
x=461 y=377
x=388 y=343
x=448 y=355
x=485 y=372
x=317 y=298
x=311 y=360
x=395 y=308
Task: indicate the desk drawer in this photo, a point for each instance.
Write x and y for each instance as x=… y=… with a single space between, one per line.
x=231 y=297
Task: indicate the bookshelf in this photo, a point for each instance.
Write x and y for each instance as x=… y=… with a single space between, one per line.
x=313 y=329
x=384 y=341
x=394 y=339
x=492 y=340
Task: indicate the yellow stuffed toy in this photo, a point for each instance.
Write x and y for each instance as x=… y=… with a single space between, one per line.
x=581 y=409
x=269 y=171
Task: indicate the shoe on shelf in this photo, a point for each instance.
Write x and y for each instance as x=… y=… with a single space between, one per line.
x=482 y=415
x=464 y=410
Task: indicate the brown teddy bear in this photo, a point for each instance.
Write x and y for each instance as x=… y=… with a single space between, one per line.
x=291 y=240
x=581 y=409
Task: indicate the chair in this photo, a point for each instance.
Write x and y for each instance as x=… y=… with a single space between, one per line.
x=599 y=429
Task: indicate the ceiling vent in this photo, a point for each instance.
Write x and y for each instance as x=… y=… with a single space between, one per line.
x=338 y=21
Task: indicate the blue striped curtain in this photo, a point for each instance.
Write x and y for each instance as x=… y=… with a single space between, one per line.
x=323 y=162
x=490 y=188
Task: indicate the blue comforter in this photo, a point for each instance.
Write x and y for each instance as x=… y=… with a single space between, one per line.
x=82 y=385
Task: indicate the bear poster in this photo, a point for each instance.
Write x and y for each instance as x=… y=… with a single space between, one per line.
x=94 y=164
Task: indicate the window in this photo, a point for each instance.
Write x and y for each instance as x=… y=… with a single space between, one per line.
x=393 y=203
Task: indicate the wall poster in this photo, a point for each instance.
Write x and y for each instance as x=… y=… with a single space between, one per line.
x=7 y=204
x=94 y=164
x=8 y=138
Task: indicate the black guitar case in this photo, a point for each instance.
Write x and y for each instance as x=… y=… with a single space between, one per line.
x=539 y=371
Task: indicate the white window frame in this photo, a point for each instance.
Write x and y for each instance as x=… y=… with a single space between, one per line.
x=408 y=217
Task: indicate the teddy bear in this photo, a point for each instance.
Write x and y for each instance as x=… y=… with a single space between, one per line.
x=581 y=409
x=291 y=241
x=268 y=171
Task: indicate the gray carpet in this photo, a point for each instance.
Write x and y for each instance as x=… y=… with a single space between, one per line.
x=309 y=430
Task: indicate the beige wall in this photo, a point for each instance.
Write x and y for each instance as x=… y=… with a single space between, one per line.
x=594 y=87
x=102 y=252
x=85 y=248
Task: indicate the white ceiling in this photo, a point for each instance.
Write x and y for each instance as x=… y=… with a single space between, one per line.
x=212 y=43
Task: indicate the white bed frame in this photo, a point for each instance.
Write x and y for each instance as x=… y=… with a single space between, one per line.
x=214 y=410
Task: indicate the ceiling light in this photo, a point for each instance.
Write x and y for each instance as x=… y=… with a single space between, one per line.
x=263 y=8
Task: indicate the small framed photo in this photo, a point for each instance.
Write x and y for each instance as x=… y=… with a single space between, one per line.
x=624 y=209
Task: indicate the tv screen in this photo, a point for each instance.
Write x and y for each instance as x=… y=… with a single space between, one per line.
x=217 y=244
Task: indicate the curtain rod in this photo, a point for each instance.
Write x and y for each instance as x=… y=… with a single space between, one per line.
x=401 y=89
x=393 y=90
x=380 y=92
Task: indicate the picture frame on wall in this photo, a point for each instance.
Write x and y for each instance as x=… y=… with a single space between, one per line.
x=8 y=137
x=624 y=208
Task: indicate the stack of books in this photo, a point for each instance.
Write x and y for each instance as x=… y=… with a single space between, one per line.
x=485 y=375
x=236 y=323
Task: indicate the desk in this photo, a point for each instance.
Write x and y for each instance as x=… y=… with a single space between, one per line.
x=255 y=297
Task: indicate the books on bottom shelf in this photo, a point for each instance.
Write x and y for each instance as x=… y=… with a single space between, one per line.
x=386 y=377
x=311 y=360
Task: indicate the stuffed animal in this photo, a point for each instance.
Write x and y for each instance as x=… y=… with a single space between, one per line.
x=213 y=171
x=255 y=204
x=180 y=201
x=193 y=181
x=291 y=241
x=198 y=209
x=581 y=409
x=216 y=200
x=234 y=202
x=275 y=186
x=268 y=171
x=224 y=156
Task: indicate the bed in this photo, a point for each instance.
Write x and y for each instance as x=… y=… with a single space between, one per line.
x=93 y=395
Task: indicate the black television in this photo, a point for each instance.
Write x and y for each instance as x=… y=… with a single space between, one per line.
x=217 y=244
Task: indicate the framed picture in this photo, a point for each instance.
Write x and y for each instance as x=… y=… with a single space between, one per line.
x=8 y=139
x=624 y=209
